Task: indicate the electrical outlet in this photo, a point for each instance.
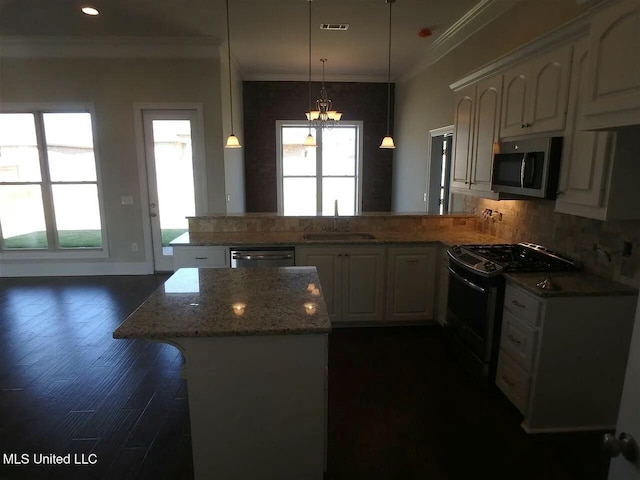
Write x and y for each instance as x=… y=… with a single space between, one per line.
x=228 y=197
x=134 y=247
x=424 y=197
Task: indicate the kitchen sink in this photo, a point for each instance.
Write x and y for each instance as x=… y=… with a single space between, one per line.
x=338 y=236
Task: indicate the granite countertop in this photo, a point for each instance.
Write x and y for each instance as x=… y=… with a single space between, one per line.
x=571 y=284
x=207 y=302
x=448 y=237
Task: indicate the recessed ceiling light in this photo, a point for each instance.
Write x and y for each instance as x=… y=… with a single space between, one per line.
x=90 y=11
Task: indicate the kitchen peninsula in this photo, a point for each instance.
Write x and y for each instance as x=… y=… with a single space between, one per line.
x=254 y=343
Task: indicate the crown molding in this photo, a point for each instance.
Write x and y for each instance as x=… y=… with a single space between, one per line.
x=483 y=13
x=108 y=47
x=571 y=31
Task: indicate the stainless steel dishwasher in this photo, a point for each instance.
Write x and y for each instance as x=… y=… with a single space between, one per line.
x=262 y=256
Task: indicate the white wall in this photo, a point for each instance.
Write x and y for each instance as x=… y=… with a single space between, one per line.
x=113 y=86
x=425 y=101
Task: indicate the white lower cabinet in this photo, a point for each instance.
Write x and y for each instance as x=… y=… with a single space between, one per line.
x=562 y=359
x=352 y=280
x=200 y=256
x=410 y=283
x=442 y=281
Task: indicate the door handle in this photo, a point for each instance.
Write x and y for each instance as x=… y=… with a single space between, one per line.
x=154 y=214
x=625 y=444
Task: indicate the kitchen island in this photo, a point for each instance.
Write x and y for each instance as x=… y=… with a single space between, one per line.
x=254 y=342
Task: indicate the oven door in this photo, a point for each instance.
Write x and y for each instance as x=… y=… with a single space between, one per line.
x=471 y=310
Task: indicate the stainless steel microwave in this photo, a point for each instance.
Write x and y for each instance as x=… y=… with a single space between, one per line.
x=528 y=167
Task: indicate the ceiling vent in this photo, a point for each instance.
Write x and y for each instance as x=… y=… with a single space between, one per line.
x=341 y=27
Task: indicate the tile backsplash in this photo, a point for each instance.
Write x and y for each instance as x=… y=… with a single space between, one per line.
x=599 y=245
x=367 y=222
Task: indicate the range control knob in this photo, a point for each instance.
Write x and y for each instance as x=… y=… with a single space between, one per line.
x=456 y=249
x=490 y=266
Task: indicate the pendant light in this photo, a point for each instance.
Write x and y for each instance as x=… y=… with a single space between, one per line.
x=232 y=140
x=310 y=141
x=387 y=142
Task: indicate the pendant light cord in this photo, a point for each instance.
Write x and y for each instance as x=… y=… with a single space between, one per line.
x=309 y=66
x=390 y=2
x=229 y=60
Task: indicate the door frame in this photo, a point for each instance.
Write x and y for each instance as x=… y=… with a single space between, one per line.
x=199 y=169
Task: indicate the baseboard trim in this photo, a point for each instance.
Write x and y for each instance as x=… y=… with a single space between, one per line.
x=66 y=269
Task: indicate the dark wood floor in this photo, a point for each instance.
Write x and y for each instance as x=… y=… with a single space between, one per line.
x=399 y=407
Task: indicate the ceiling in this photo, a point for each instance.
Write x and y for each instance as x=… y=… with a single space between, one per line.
x=269 y=38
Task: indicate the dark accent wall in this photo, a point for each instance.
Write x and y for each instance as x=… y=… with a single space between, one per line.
x=266 y=102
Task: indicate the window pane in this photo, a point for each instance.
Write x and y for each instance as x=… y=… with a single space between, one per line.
x=297 y=160
x=173 y=156
x=22 y=216
x=299 y=196
x=70 y=147
x=339 y=151
x=77 y=216
x=341 y=189
x=19 y=159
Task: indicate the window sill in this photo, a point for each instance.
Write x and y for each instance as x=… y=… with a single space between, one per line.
x=81 y=253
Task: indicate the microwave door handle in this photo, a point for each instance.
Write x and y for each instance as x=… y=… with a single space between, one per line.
x=532 y=170
x=523 y=168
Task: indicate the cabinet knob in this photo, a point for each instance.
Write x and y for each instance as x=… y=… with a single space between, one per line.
x=624 y=444
x=522 y=125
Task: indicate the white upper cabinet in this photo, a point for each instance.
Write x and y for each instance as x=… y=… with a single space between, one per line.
x=464 y=104
x=613 y=97
x=477 y=125
x=535 y=94
x=599 y=172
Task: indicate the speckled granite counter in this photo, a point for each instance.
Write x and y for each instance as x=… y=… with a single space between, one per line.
x=231 y=302
x=574 y=284
x=446 y=236
x=255 y=349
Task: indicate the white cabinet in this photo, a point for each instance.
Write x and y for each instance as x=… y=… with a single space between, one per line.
x=200 y=256
x=477 y=124
x=599 y=170
x=410 y=283
x=352 y=280
x=562 y=359
x=535 y=92
x=613 y=82
x=442 y=281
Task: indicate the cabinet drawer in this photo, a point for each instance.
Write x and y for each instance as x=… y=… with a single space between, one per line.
x=524 y=306
x=513 y=381
x=200 y=257
x=519 y=340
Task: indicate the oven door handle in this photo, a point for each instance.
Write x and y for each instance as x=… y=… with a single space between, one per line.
x=467 y=282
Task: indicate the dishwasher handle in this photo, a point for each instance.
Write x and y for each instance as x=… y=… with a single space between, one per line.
x=250 y=256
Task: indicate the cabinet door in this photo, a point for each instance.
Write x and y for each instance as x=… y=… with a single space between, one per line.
x=462 y=137
x=486 y=131
x=410 y=283
x=328 y=261
x=363 y=284
x=515 y=99
x=443 y=286
x=549 y=91
x=614 y=69
x=585 y=154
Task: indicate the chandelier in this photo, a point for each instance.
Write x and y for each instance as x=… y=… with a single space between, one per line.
x=323 y=116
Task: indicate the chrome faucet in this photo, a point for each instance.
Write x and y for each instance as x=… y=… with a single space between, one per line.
x=335 y=215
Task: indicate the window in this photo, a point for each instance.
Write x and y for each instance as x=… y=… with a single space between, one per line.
x=311 y=180
x=49 y=189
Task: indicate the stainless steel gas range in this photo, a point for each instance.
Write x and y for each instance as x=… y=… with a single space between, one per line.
x=476 y=294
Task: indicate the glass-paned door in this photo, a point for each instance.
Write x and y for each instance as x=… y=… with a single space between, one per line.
x=173 y=165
